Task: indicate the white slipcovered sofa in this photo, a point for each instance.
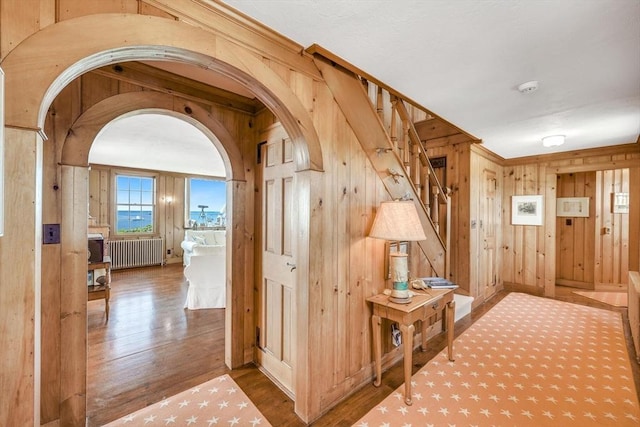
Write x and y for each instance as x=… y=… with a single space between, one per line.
x=201 y=242
x=205 y=268
x=207 y=279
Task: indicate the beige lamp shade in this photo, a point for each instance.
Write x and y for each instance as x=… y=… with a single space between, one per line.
x=397 y=221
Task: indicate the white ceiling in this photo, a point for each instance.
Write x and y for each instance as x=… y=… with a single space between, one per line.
x=152 y=141
x=464 y=60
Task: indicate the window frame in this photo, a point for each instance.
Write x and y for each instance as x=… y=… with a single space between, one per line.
x=153 y=205
x=187 y=199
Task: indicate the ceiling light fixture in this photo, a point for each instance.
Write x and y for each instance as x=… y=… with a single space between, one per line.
x=553 y=140
x=528 y=87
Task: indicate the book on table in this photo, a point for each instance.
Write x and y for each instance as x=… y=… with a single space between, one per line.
x=438 y=283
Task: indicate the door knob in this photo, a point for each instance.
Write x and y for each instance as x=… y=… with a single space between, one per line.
x=293 y=266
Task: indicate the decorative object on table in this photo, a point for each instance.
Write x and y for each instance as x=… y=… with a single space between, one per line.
x=398 y=221
x=527 y=210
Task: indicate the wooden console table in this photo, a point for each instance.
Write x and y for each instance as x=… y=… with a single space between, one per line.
x=423 y=305
x=99 y=291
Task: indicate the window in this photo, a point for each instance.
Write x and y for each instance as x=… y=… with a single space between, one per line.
x=135 y=197
x=206 y=203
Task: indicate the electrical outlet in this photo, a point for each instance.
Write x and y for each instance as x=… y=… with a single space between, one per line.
x=50 y=233
x=168 y=251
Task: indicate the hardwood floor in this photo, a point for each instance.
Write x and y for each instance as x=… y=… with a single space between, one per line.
x=152 y=347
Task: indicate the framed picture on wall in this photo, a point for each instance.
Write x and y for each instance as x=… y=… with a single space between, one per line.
x=527 y=210
x=572 y=206
x=620 y=203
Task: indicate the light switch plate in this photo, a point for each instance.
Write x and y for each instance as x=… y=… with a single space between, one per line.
x=50 y=233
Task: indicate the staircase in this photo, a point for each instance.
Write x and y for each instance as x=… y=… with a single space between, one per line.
x=384 y=124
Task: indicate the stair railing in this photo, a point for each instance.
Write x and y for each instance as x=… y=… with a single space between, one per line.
x=399 y=119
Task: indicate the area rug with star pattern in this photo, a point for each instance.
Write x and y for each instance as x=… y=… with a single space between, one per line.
x=218 y=402
x=529 y=361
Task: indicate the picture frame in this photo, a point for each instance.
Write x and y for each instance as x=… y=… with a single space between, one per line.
x=577 y=207
x=90 y=278
x=620 y=203
x=395 y=246
x=527 y=210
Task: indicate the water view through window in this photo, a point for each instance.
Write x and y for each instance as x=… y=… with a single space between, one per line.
x=207 y=202
x=135 y=202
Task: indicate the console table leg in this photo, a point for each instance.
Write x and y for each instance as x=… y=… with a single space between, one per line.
x=376 y=323
x=407 y=343
x=451 y=309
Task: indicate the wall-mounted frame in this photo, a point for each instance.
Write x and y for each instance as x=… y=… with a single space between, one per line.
x=527 y=210
x=572 y=206
x=1 y=152
x=620 y=203
x=402 y=247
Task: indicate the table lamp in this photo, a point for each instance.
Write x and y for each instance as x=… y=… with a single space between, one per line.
x=398 y=221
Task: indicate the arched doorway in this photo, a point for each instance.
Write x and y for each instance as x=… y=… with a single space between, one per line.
x=134 y=38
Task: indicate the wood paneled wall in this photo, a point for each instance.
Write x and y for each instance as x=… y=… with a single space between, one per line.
x=529 y=252
x=611 y=229
x=473 y=262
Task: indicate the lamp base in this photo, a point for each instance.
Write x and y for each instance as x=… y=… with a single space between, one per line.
x=400 y=293
x=405 y=300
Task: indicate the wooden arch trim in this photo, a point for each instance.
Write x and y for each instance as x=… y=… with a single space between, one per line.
x=75 y=151
x=46 y=62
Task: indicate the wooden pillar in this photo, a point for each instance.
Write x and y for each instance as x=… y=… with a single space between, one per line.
x=74 y=185
x=20 y=258
x=239 y=323
x=309 y=263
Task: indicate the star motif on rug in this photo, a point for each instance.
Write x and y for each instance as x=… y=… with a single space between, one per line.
x=231 y=408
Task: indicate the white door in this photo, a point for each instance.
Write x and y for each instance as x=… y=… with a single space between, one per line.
x=276 y=293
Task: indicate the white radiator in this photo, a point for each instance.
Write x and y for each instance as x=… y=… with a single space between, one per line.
x=136 y=253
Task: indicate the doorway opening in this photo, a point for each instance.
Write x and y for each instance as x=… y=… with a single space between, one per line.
x=147 y=341
x=592 y=232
